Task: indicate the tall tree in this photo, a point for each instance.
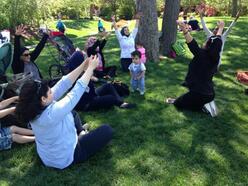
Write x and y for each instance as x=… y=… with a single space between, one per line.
x=234 y=7
x=169 y=26
x=148 y=28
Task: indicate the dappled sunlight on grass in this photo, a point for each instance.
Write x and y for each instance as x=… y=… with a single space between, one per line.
x=154 y=143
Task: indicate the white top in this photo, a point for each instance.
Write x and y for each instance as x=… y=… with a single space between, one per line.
x=136 y=69
x=127 y=44
x=223 y=36
x=54 y=129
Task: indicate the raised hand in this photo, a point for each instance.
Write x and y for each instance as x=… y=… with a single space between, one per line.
x=221 y=24
x=184 y=27
x=93 y=62
x=20 y=30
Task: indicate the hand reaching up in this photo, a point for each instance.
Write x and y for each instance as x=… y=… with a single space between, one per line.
x=20 y=30
x=93 y=62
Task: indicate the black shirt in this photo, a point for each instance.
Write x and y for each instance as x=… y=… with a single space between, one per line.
x=203 y=67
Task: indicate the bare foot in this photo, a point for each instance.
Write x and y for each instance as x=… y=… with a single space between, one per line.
x=169 y=100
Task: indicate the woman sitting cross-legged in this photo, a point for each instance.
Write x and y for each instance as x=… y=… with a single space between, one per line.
x=200 y=72
x=95 y=46
x=60 y=142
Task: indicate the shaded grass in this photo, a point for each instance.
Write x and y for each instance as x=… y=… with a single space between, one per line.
x=154 y=144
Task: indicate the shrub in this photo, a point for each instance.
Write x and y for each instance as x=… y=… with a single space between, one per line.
x=126 y=12
x=4 y=22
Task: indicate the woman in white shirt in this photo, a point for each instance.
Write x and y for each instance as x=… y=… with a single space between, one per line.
x=127 y=42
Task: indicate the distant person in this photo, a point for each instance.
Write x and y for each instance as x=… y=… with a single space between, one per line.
x=142 y=51
x=10 y=134
x=95 y=46
x=24 y=60
x=194 y=24
x=127 y=42
x=60 y=25
x=214 y=32
x=100 y=26
x=137 y=72
x=200 y=73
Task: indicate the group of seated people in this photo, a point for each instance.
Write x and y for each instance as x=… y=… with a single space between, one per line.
x=60 y=136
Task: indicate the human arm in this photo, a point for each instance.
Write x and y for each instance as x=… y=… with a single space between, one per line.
x=17 y=65
x=192 y=44
x=204 y=26
x=117 y=32
x=67 y=104
x=137 y=17
x=7 y=102
x=39 y=47
x=67 y=81
x=231 y=25
x=6 y=111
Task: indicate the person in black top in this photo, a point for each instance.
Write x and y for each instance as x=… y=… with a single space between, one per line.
x=95 y=46
x=24 y=60
x=200 y=72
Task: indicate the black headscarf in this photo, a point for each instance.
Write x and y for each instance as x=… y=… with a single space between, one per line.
x=123 y=33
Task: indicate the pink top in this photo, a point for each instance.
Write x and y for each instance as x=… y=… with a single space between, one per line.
x=143 y=54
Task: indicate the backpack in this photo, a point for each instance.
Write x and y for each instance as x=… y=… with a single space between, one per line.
x=121 y=88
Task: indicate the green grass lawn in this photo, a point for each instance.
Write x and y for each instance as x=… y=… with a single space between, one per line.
x=154 y=144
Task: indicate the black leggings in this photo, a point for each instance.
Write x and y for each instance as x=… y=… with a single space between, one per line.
x=193 y=101
x=125 y=62
x=89 y=144
x=110 y=71
x=107 y=97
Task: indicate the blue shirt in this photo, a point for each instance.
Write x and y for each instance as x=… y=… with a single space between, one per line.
x=54 y=129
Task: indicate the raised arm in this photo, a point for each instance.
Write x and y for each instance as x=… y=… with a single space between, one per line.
x=204 y=26
x=39 y=47
x=117 y=32
x=225 y=34
x=17 y=65
x=67 y=104
x=67 y=81
x=192 y=44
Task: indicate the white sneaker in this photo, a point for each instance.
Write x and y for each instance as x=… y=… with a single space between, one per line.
x=142 y=93
x=211 y=108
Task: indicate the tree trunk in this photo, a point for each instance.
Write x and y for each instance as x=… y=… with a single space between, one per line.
x=169 y=26
x=234 y=7
x=148 y=28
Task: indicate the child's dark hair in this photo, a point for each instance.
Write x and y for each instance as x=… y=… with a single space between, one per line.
x=136 y=53
x=29 y=105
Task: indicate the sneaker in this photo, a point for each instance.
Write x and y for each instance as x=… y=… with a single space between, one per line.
x=210 y=108
x=142 y=93
x=127 y=105
x=86 y=127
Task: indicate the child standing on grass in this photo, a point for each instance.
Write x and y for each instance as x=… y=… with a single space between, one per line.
x=142 y=50
x=137 y=71
x=11 y=134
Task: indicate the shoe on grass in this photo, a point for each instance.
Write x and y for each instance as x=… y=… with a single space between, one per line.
x=211 y=108
x=127 y=105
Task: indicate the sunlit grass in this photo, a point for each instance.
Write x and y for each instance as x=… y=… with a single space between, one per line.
x=154 y=144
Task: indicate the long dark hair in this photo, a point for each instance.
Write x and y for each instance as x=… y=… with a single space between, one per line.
x=29 y=105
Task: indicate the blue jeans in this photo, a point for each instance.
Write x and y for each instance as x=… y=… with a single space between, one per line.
x=138 y=84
